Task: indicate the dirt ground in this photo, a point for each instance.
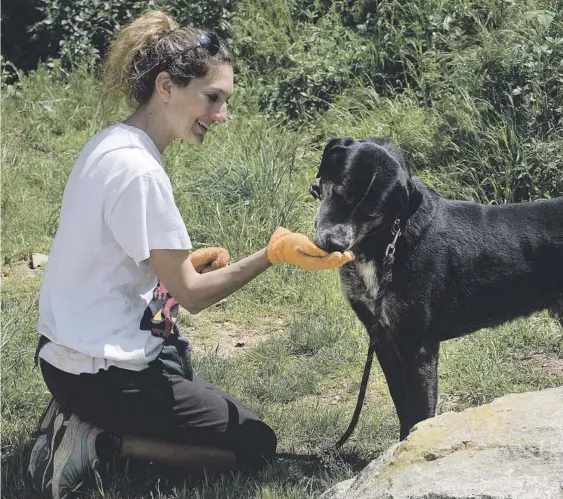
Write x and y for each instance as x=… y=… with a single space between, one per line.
x=226 y=336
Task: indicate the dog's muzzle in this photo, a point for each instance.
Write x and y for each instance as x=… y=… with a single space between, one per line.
x=335 y=238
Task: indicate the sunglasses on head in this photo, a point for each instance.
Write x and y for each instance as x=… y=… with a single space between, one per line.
x=208 y=41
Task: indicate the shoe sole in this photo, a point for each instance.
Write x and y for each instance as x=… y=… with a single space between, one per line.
x=40 y=451
x=52 y=409
x=63 y=454
x=58 y=432
x=39 y=454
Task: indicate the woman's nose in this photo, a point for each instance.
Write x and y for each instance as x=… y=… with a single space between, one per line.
x=221 y=115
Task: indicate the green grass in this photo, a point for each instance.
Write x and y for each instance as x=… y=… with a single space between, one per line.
x=251 y=176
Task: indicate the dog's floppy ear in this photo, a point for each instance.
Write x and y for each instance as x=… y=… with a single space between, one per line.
x=415 y=198
x=404 y=200
x=413 y=195
x=330 y=153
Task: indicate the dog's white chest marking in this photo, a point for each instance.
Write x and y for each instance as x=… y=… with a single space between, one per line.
x=368 y=273
x=362 y=285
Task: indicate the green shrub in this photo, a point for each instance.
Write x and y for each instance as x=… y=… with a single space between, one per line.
x=296 y=69
x=18 y=46
x=471 y=90
x=206 y=14
x=75 y=30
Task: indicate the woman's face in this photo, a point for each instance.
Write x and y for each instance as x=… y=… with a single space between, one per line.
x=192 y=109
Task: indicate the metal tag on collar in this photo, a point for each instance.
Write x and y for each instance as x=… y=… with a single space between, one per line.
x=396 y=231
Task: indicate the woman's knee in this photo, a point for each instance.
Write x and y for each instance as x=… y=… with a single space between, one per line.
x=256 y=444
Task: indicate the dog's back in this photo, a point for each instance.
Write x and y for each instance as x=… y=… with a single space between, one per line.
x=482 y=265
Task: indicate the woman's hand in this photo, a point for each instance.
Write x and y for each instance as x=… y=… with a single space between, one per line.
x=208 y=259
x=294 y=248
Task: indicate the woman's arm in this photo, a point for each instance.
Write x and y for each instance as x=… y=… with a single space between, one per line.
x=195 y=291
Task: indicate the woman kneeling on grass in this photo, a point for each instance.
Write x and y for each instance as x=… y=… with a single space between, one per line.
x=110 y=352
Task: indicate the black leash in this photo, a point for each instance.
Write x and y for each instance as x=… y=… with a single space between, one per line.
x=361 y=397
x=386 y=276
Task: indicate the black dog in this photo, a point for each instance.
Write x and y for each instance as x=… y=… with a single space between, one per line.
x=459 y=266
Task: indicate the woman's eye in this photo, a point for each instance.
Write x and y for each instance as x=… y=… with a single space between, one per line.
x=213 y=97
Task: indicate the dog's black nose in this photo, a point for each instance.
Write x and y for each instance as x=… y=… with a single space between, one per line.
x=334 y=244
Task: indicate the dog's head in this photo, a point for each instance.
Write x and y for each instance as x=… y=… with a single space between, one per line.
x=364 y=186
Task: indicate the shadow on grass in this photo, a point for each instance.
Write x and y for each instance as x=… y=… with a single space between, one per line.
x=15 y=459
x=352 y=460
x=291 y=475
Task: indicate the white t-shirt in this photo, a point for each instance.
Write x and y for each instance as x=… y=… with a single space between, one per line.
x=101 y=304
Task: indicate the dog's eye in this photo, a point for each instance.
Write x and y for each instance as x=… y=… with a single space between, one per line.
x=370 y=210
x=341 y=196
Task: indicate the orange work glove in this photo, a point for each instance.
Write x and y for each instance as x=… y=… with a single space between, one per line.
x=291 y=247
x=207 y=259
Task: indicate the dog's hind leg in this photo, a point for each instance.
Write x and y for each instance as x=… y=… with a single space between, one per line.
x=420 y=372
x=555 y=309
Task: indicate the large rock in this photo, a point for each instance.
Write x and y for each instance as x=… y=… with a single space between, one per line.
x=511 y=448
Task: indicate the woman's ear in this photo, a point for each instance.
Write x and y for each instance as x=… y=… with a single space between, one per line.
x=163 y=86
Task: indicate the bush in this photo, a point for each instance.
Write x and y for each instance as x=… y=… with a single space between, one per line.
x=313 y=72
x=75 y=30
x=296 y=69
x=17 y=44
x=207 y=14
x=471 y=88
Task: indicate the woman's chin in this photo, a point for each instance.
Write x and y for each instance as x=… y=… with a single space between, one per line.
x=194 y=139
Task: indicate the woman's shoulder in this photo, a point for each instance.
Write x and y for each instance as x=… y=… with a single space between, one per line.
x=125 y=147
x=122 y=136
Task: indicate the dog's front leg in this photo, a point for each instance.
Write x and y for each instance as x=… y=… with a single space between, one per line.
x=420 y=370
x=387 y=352
x=410 y=369
x=388 y=355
